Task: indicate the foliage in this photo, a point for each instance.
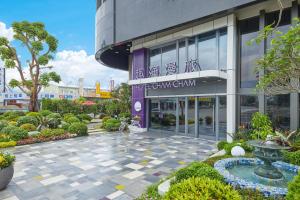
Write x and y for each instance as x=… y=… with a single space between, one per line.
x=112 y=124
x=197 y=169
x=61 y=106
x=37 y=115
x=53 y=120
x=66 y=116
x=151 y=193
x=293 y=188
x=64 y=125
x=292 y=157
x=262 y=126
x=41 y=47
x=28 y=127
x=211 y=161
x=201 y=188
x=84 y=117
x=51 y=132
x=15 y=133
x=244 y=145
x=221 y=145
x=78 y=128
x=12 y=115
x=32 y=140
x=242 y=134
x=72 y=120
x=4 y=137
x=3 y=123
x=248 y=194
x=122 y=95
x=27 y=120
x=285 y=138
x=281 y=61
x=6 y=160
x=8 y=144
x=45 y=113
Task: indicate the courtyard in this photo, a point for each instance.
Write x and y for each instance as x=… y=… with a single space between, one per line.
x=100 y=166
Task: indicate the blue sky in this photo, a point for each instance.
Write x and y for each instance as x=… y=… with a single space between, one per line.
x=72 y=22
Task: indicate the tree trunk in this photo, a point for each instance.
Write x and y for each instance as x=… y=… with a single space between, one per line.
x=33 y=103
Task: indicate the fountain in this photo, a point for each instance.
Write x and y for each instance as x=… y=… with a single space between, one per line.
x=266 y=173
x=268 y=152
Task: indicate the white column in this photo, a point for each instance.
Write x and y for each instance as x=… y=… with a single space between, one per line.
x=231 y=77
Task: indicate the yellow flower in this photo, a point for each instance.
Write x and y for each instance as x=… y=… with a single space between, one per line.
x=2 y=160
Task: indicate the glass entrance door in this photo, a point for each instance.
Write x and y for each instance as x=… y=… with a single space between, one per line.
x=206 y=116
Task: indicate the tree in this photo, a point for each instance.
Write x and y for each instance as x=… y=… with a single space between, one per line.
x=123 y=95
x=41 y=47
x=281 y=62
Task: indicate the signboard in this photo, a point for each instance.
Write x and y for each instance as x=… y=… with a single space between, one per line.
x=137 y=106
x=105 y=95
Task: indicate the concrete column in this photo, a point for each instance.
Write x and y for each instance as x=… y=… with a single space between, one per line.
x=186 y=124
x=177 y=115
x=231 y=77
x=217 y=106
x=196 y=117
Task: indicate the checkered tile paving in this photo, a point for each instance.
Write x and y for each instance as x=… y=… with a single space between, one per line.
x=107 y=166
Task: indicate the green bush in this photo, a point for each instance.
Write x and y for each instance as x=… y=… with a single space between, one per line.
x=27 y=120
x=8 y=144
x=292 y=157
x=151 y=193
x=294 y=189
x=83 y=117
x=201 y=188
x=221 y=145
x=28 y=127
x=261 y=125
x=45 y=113
x=197 y=169
x=112 y=124
x=37 y=115
x=67 y=116
x=244 y=145
x=249 y=194
x=3 y=123
x=72 y=120
x=15 y=133
x=78 y=128
x=54 y=120
x=12 y=115
x=52 y=132
x=65 y=126
x=6 y=160
x=104 y=119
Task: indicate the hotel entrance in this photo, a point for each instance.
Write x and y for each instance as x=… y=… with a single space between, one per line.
x=203 y=117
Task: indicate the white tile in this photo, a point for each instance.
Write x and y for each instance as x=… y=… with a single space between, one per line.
x=49 y=161
x=130 y=156
x=19 y=174
x=20 y=182
x=133 y=175
x=156 y=162
x=42 y=167
x=108 y=163
x=98 y=183
x=54 y=179
x=115 y=194
x=150 y=157
x=75 y=184
x=86 y=167
x=74 y=159
x=50 y=156
x=116 y=168
x=80 y=175
x=134 y=166
x=11 y=198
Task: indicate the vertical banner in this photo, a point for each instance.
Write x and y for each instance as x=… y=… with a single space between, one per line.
x=138 y=103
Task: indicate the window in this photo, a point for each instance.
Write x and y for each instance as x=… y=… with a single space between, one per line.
x=207 y=50
x=223 y=49
x=249 y=105
x=249 y=53
x=169 y=65
x=182 y=56
x=155 y=62
x=191 y=48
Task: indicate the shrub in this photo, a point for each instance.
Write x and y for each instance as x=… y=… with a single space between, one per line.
x=12 y=115
x=28 y=127
x=292 y=157
x=262 y=126
x=201 y=188
x=151 y=193
x=4 y=137
x=3 y=123
x=67 y=116
x=12 y=123
x=197 y=169
x=37 y=115
x=51 y=132
x=221 y=145
x=27 y=120
x=104 y=119
x=54 y=120
x=72 y=120
x=15 y=133
x=6 y=160
x=293 y=188
x=244 y=145
x=45 y=113
x=83 y=117
x=65 y=126
x=78 y=128
x=249 y=194
x=8 y=144
x=211 y=161
x=112 y=124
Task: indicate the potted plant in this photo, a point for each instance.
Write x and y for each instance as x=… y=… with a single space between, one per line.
x=208 y=120
x=6 y=169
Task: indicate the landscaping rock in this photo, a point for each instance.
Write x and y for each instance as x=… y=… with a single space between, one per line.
x=237 y=151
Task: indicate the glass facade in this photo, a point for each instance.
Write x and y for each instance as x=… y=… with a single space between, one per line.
x=207 y=51
x=249 y=105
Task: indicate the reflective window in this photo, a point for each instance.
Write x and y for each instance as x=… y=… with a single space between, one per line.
x=181 y=107
x=249 y=105
x=182 y=56
x=222 y=117
x=155 y=62
x=154 y=114
x=223 y=49
x=191 y=116
x=249 y=53
x=278 y=109
x=168 y=114
x=207 y=51
x=191 y=48
x=169 y=65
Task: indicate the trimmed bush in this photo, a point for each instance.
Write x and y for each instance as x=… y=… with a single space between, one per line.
x=4 y=137
x=221 y=145
x=27 y=120
x=52 y=132
x=83 y=117
x=112 y=124
x=197 y=169
x=78 y=128
x=3 y=123
x=45 y=113
x=292 y=157
x=72 y=120
x=294 y=189
x=244 y=145
x=8 y=144
x=54 y=120
x=28 y=127
x=12 y=123
x=6 y=160
x=104 y=119
x=67 y=116
x=211 y=161
x=37 y=115
x=201 y=188
x=65 y=125
x=15 y=133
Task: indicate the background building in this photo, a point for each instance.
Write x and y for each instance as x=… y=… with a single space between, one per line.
x=190 y=67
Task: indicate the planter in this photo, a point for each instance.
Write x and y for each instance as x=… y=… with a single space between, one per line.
x=6 y=175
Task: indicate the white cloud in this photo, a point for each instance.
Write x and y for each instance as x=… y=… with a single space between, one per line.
x=6 y=32
x=72 y=65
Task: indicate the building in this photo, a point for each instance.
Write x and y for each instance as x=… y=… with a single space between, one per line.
x=190 y=67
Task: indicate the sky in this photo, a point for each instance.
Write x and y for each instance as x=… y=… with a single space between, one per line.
x=72 y=22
